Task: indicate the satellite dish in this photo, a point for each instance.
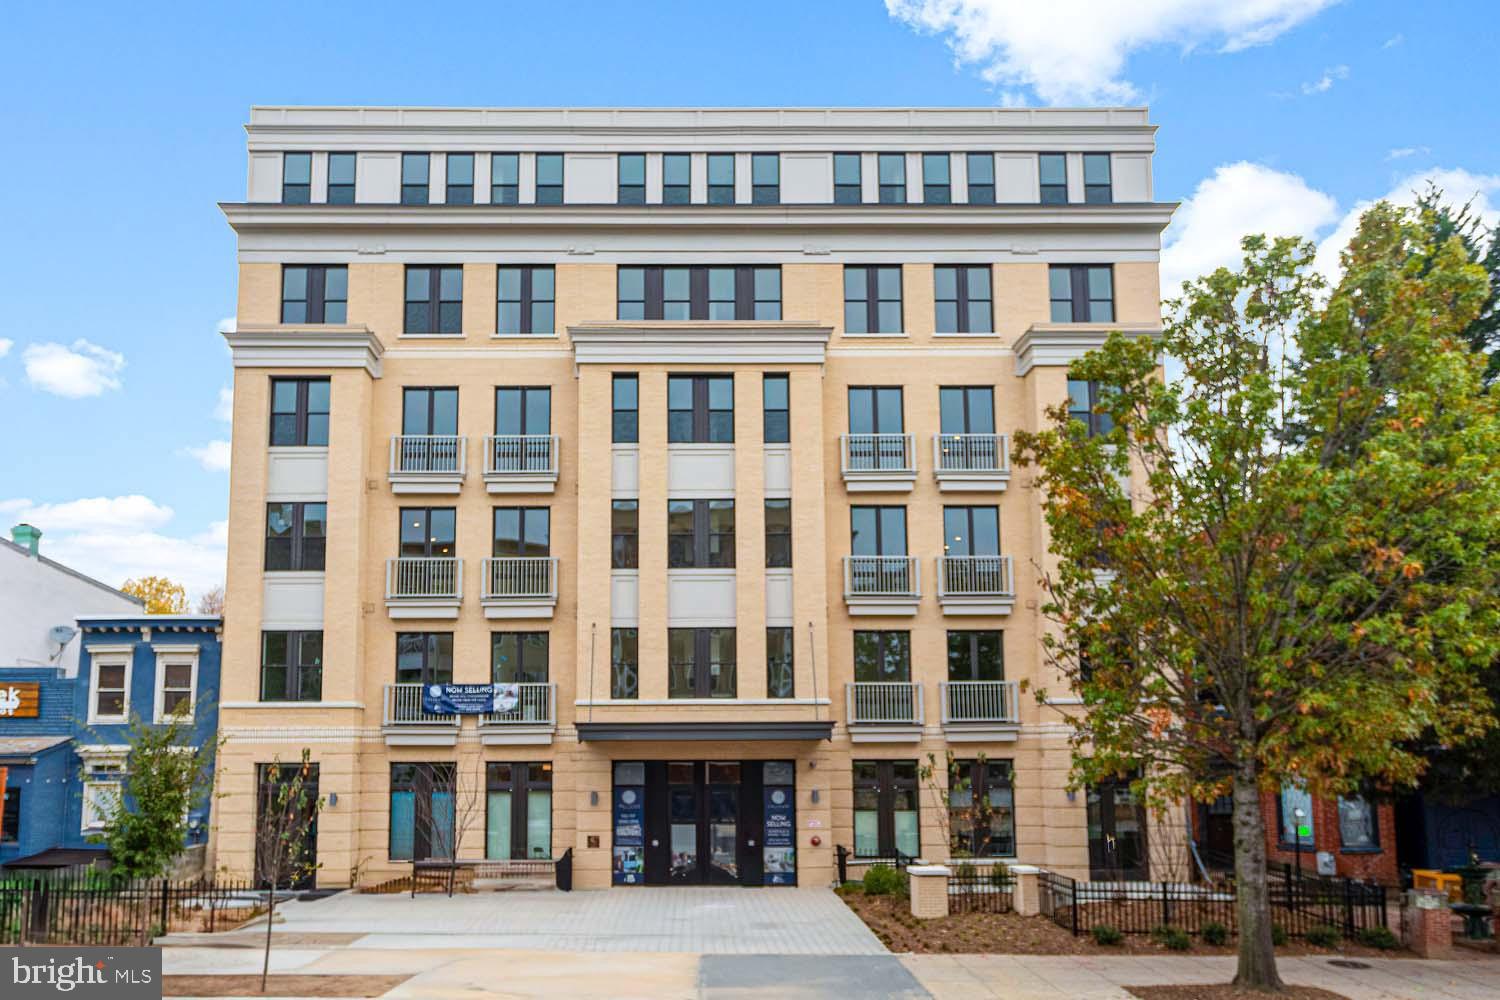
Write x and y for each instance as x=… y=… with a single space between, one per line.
x=62 y=634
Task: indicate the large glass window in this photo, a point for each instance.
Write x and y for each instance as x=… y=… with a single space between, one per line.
x=847 y=182
x=299 y=412
x=976 y=656
x=1052 y=168
x=414 y=170
x=625 y=422
x=891 y=169
x=291 y=666
x=877 y=531
x=765 y=178
x=427 y=531
x=776 y=409
x=296 y=536
x=779 y=533
x=963 y=299
x=505 y=178
x=524 y=411
x=872 y=298
x=676 y=178
x=624 y=530
x=434 y=300
x=882 y=656
x=701 y=663
x=624 y=663
x=700 y=409
x=886 y=820
x=296 y=178
x=526 y=300
x=314 y=293
x=1294 y=807
x=342 y=171
x=522 y=531
x=631 y=169
x=518 y=657
x=971 y=531
x=966 y=409
x=460 y=179
x=981 y=178
x=721 y=178
x=982 y=809
x=705 y=293
x=700 y=534
x=429 y=411
x=422 y=811
x=518 y=810
x=937 y=183
x=549 y=178
x=1081 y=293
x=111 y=691
x=1084 y=398
x=780 y=676
x=1097 y=187
x=424 y=658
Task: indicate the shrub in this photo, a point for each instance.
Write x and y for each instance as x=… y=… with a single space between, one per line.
x=1105 y=934
x=1322 y=936
x=965 y=871
x=999 y=876
x=1278 y=935
x=1172 y=938
x=883 y=880
x=1215 y=933
x=1378 y=937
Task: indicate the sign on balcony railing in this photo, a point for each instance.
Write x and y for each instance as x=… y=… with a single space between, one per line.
x=469 y=699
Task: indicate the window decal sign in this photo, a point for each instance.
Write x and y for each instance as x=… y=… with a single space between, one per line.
x=630 y=835
x=780 y=851
x=469 y=699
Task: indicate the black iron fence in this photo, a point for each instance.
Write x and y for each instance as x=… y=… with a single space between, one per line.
x=95 y=910
x=1298 y=904
x=844 y=859
x=974 y=888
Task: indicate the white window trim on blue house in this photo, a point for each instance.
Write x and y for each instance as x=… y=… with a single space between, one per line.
x=174 y=653
x=108 y=656
x=103 y=781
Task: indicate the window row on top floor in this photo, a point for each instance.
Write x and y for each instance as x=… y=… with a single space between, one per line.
x=718 y=178
x=526 y=296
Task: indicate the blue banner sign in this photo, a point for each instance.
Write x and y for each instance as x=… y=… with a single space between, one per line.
x=469 y=699
x=780 y=851
x=630 y=835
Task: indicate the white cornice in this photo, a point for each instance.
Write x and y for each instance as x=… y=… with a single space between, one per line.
x=694 y=342
x=274 y=345
x=1063 y=343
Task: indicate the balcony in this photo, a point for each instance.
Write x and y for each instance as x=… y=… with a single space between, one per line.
x=533 y=720
x=882 y=585
x=428 y=463
x=878 y=463
x=976 y=585
x=969 y=462
x=980 y=710
x=883 y=711
x=519 y=587
x=520 y=463
x=405 y=724
x=424 y=586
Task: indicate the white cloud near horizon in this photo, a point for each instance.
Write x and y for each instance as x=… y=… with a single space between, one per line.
x=1075 y=51
x=73 y=371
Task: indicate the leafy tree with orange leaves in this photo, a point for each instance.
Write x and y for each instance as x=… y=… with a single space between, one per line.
x=162 y=596
x=1296 y=577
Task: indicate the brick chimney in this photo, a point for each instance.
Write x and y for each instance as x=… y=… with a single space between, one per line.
x=27 y=537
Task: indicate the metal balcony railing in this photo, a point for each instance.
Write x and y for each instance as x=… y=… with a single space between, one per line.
x=980 y=701
x=884 y=702
x=419 y=454
x=432 y=577
x=403 y=707
x=875 y=453
x=535 y=706
x=520 y=576
x=520 y=455
x=975 y=576
x=882 y=576
x=968 y=453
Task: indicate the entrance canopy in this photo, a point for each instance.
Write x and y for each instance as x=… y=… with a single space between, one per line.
x=637 y=731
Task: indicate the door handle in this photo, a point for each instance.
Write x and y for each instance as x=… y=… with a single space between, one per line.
x=655 y=843
x=749 y=843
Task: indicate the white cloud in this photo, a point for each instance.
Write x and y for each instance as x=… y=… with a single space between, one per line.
x=82 y=369
x=1074 y=51
x=227 y=324
x=1393 y=41
x=1402 y=152
x=224 y=408
x=5 y=345
x=213 y=456
x=1324 y=83
x=1239 y=199
x=115 y=538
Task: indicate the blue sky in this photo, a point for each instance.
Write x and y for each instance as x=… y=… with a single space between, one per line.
x=118 y=266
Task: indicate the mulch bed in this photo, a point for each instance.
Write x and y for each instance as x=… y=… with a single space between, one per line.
x=280 y=986
x=1012 y=934
x=1226 y=992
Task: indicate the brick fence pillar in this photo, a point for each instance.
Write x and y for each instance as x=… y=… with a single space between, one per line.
x=929 y=890
x=1429 y=924
x=1025 y=898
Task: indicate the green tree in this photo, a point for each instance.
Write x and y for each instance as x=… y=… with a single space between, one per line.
x=286 y=815
x=1443 y=222
x=1301 y=575
x=162 y=596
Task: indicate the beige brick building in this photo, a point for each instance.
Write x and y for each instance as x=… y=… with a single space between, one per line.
x=686 y=433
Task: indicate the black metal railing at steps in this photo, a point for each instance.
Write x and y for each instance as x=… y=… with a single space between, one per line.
x=843 y=858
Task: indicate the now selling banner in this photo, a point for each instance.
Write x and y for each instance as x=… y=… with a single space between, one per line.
x=469 y=699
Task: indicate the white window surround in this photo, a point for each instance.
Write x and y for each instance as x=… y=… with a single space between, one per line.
x=108 y=656
x=99 y=798
x=103 y=777
x=175 y=655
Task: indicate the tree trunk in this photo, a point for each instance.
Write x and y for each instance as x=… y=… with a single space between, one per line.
x=1257 y=960
x=265 y=968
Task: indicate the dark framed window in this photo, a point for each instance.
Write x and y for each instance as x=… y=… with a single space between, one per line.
x=701 y=663
x=426 y=412
x=314 y=293
x=460 y=179
x=549 y=178
x=518 y=810
x=518 y=657
x=299 y=412
x=296 y=178
x=1098 y=187
x=982 y=808
x=1081 y=293
x=700 y=409
x=522 y=532
x=524 y=410
x=971 y=531
x=631 y=175
x=966 y=409
x=872 y=298
x=342 y=174
x=700 y=534
x=1293 y=798
x=424 y=658
x=882 y=656
x=721 y=178
x=291 y=666
x=1359 y=825
x=976 y=655
x=886 y=817
x=10 y=818
x=877 y=531
x=779 y=534
x=937 y=180
x=296 y=536
x=110 y=689
x=890 y=168
x=847 y=180
x=1084 y=400
x=780 y=676
x=875 y=409
x=981 y=178
x=776 y=409
x=434 y=299
x=1052 y=171
x=744 y=292
x=505 y=178
x=414 y=178
x=427 y=532
x=676 y=178
x=422 y=811
x=624 y=534
x=963 y=298
x=625 y=401
x=624 y=663
x=765 y=178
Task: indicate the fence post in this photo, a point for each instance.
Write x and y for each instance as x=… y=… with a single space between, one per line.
x=1025 y=890
x=1166 y=906
x=166 y=904
x=1073 y=891
x=929 y=890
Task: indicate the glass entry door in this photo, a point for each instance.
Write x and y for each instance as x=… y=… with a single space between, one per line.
x=1117 y=833
x=695 y=822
